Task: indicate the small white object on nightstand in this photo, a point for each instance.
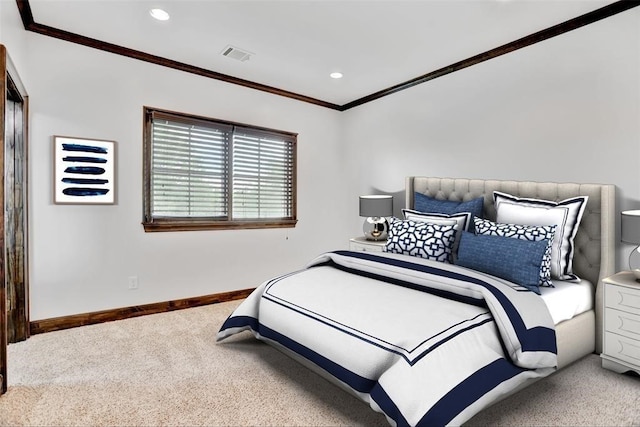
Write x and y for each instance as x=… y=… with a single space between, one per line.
x=621 y=320
x=362 y=244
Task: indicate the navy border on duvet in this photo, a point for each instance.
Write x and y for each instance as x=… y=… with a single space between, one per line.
x=469 y=391
x=534 y=339
x=239 y=322
x=355 y=381
x=447 y=408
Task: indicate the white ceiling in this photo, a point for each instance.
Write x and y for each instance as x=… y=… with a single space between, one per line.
x=297 y=43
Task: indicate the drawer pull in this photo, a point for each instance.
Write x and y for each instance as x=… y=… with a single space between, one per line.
x=629 y=325
x=629 y=350
x=629 y=300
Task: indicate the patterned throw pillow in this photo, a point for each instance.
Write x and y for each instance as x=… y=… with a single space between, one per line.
x=421 y=239
x=522 y=232
x=463 y=219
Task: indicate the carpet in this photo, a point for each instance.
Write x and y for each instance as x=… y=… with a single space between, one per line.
x=167 y=370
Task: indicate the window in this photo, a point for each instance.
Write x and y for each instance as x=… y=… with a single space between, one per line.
x=202 y=174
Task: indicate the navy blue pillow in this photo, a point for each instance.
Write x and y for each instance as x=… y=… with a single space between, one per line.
x=424 y=203
x=515 y=260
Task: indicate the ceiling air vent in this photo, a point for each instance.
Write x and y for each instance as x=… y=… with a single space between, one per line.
x=236 y=53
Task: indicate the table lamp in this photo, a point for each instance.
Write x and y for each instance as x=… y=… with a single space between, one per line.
x=376 y=208
x=630 y=226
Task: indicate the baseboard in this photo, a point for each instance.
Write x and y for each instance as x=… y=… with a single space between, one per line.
x=73 y=321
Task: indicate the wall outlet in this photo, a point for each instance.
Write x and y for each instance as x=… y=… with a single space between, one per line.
x=133 y=282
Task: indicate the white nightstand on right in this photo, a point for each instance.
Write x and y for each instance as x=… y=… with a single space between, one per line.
x=621 y=320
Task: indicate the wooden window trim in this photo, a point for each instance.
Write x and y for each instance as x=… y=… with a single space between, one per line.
x=165 y=224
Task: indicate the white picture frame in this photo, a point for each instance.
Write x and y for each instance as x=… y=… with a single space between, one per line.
x=84 y=171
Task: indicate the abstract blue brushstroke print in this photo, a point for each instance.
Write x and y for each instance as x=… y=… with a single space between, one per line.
x=85 y=148
x=78 y=191
x=84 y=159
x=84 y=181
x=84 y=170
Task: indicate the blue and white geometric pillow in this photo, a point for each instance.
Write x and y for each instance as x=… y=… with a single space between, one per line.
x=421 y=239
x=523 y=232
x=463 y=219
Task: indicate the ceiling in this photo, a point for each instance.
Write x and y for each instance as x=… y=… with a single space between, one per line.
x=296 y=44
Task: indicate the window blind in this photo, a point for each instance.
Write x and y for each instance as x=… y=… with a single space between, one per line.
x=189 y=169
x=218 y=171
x=262 y=175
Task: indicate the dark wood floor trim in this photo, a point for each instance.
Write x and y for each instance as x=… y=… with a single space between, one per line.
x=66 y=322
x=586 y=19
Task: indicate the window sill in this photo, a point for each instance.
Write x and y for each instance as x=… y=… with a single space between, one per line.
x=195 y=225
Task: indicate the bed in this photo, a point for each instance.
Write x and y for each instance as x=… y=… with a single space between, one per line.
x=460 y=334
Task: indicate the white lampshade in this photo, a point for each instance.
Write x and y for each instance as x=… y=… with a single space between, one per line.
x=376 y=206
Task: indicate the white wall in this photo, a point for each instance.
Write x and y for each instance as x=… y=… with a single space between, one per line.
x=81 y=256
x=566 y=109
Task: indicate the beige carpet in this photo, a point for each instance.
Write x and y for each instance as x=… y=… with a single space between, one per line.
x=166 y=369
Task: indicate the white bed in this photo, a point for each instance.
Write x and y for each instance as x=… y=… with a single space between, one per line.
x=455 y=340
x=594 y=257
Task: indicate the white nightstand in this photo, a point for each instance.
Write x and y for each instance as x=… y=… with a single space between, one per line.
x=621 y=339
x=362 y=244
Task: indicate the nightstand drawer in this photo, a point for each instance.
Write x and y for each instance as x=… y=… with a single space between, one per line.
x=622 y=298
x=622 y=348
x=622 y=323
x=361 y=244
x=365 y=248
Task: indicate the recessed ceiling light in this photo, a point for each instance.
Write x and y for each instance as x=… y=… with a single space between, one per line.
x=159 y=14
x=335 y=75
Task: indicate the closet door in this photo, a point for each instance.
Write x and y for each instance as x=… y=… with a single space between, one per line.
x=14 y=304
x=3 y=284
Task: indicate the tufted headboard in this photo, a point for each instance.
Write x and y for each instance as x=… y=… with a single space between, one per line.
x=594 y=256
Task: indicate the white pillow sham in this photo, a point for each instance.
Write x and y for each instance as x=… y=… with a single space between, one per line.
x=565 y=215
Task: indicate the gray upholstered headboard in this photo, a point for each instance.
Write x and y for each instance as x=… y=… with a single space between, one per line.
x=594 y=256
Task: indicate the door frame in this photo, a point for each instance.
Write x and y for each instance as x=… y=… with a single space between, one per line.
x=16 y=295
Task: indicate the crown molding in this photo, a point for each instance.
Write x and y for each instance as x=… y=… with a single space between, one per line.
x=589 y=18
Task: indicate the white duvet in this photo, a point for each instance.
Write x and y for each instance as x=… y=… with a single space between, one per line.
x=423 y=342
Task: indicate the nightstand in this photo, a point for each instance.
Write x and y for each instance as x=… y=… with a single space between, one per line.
x=621 y=320
x=362 y=244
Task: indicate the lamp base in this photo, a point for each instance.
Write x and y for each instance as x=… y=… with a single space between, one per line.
x=634 y=262
x=376 y=228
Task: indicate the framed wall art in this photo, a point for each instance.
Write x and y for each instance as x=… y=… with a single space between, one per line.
x=84 y=171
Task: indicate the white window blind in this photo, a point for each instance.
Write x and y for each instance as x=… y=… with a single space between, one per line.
x=189 y=169
x=217 y=171
x=262 y=175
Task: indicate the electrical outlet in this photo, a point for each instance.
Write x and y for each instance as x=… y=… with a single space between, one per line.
x=133 y=282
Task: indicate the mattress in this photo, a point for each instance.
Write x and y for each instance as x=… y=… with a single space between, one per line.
x=568 y=299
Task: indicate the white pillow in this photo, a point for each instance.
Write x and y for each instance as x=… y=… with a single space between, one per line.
x=565 y=215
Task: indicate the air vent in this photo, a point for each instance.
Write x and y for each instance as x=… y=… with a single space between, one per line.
x=236 y=53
